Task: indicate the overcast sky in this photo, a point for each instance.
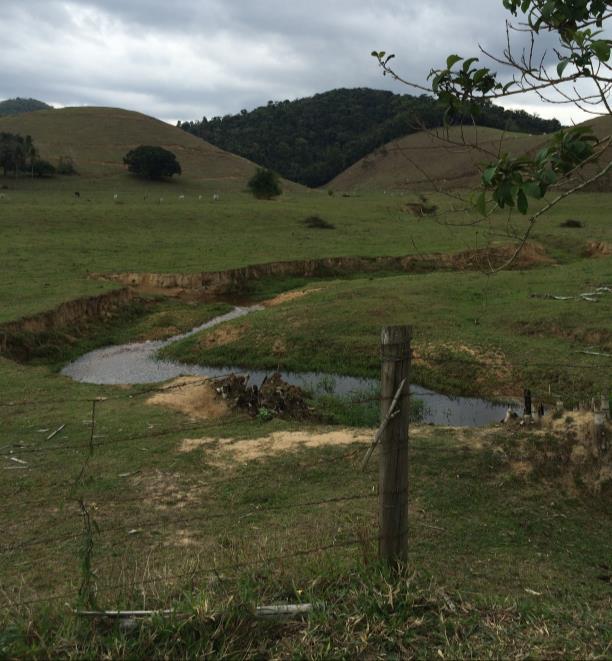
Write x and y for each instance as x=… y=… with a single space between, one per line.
x=183 y=59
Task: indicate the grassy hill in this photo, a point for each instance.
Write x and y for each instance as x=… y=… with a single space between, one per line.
x=19 y=105
x=98 y=138
x=422 y=161
x=312 y=140
x=416 y=161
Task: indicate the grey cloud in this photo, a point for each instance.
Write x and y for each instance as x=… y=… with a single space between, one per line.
x=187 y=58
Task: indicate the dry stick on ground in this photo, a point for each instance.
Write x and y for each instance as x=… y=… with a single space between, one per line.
x=57 y=431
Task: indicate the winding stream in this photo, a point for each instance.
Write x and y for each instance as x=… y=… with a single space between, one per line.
x=137 y=363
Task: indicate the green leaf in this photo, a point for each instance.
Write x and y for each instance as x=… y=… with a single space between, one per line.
x=481 y=204
x=548 y=9
x=480 y=74
x=548 y=177
x=562 y=65
x=451 y=60
x=533 y=189
x=521 y=201
x=488 y=174
x=468 y=63
x=601 y=48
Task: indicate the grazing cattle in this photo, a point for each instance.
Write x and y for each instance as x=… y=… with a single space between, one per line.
x=77 y=194
x=116 y=196
x=216 y=197
x=181 y=197
x=199 y=197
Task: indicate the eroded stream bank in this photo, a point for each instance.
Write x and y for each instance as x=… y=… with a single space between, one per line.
x=136 y=363
x=238 y=280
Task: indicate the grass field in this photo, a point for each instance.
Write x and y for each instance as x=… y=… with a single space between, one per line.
x=52 y=241
x=502 y=562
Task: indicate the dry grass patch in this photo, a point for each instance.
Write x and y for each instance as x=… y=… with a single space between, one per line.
x=287 y=296
x=192 y=396
x=166 y=490
x=598 y=249
x=231 y=450
x=225 y=334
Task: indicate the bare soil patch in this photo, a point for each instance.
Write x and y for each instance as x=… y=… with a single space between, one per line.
x=222 y=335
x=594 y=337
x=192 y=396
x=598 y=249
x=564 y=447
x=230 y=451
x=289 y=296
x=166 y=490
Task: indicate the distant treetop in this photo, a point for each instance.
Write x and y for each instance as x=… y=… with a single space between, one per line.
x=18 y=106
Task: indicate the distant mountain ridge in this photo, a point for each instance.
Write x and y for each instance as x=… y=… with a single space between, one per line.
x=314 y=139
x=18 y=105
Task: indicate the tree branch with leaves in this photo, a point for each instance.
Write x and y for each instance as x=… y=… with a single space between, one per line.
x=576 y=71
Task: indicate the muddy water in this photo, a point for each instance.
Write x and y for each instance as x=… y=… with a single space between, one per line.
x=136 y=363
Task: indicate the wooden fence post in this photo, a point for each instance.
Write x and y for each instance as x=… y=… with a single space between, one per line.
x=393 y=457
x=527 y=410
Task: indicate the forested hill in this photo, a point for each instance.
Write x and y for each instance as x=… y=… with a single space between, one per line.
x=18 y=106
x=312 y=140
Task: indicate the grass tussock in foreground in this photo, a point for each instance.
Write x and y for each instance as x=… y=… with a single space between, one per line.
x=359 y=612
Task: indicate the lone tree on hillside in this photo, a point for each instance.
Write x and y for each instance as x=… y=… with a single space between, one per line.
x=42 y=168
x=152 y=162
x=265 y=184
x=576 y=71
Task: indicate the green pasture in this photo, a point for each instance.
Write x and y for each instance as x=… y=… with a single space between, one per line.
x=51 y=240
x=472 y=334
x=502 y=563
x=498 y=561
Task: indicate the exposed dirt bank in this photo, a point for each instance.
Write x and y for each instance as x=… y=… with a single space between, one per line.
x=598 y=249
x=235 y=281
x=14 y=335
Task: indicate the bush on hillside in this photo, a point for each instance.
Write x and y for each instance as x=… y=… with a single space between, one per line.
x=66 y=166
x=264 y=184
x=42 y=168
x=152 y=162
x=318 y=223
